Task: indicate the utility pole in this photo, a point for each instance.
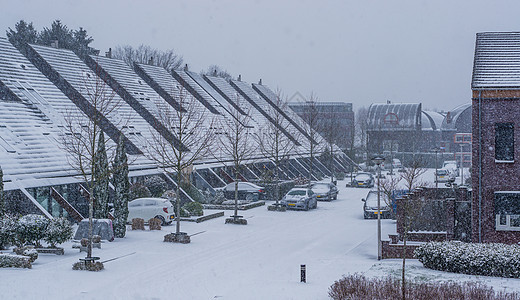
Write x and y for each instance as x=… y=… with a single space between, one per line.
x=378 y=160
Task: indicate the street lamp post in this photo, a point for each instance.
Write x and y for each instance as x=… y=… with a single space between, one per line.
x=378 y=160
x=436 y=150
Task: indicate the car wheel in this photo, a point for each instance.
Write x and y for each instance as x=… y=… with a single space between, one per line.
x=306 y=206
x=163 y=221
x=365 y=215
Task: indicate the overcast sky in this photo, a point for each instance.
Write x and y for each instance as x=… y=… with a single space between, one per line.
x=350 y=51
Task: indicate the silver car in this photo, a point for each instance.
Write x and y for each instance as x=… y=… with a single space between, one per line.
x=300 y=198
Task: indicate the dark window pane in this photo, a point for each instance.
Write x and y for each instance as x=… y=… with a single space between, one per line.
x=507 y=203
x=504 y=141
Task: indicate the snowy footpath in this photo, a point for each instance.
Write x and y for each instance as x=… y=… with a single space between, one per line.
x=258 y=261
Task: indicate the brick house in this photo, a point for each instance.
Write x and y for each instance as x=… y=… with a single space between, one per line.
x=496 y=157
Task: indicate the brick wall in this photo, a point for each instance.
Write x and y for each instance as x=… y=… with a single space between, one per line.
x=496 y=176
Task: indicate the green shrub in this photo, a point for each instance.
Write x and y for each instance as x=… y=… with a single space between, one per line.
x=194 y=208
x=31 y=229
x=58 y=231
x=339 y=175
x=8 y=225
x=498 y=260
x=156 y=185
x=14 y=261
x=139 y=190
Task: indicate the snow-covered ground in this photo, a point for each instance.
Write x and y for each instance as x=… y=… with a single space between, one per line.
x=258 y=261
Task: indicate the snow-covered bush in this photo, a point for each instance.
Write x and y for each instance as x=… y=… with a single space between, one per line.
x=8 y=226
x=31 y=229
x=194 y=208
x=14 y=261
x=156 y=185
x=471 y=258
x=139 y=190
x=28 y=251
x=59 y=230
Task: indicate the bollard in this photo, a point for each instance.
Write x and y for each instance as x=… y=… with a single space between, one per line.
x=302 y=274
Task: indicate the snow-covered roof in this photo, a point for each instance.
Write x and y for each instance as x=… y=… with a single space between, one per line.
x=497 y=61
x=455 y=116
x=431 y=120
x=394 y=116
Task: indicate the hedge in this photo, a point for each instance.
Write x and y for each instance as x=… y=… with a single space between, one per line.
x=497 y=260
x=14 y=261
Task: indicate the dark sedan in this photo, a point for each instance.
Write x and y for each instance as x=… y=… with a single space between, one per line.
x=325 y=191
x=363 y=180
x=246 y=191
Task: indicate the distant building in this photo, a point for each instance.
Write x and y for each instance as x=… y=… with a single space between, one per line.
x=340 y=114
x=496 y=158
x=406 y=131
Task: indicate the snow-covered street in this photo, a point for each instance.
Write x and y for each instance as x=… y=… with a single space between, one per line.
x=258 y=261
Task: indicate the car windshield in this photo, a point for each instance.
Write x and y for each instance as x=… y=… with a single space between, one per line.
x=442 y=172
x=362 y=177
x=296 y=193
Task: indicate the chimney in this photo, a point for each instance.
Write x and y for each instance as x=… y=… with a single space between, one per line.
x=388 y=102
x=55 y=44
x=215 y=72
x=150 y=61
x=239 y=78
x=108 y=54
x=186 y=67
x=260 y=81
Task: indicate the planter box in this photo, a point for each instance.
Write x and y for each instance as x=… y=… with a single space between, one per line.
x=232 y=206
x=204 y=218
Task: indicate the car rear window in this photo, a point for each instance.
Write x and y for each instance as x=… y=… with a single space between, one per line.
x=362 y=177
x=297 y=193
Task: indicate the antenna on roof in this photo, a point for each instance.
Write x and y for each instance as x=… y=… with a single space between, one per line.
x=260 y=82
x=109 y=53
x=150 y=61
x=186 y=67
x=239 y=78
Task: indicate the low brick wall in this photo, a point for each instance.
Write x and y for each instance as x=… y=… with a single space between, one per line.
x=427 y=236
x=396 y=250
x=204 y=218
x=232 y=206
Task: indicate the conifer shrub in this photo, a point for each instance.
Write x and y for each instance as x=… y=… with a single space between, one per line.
x=8 y=227
x=491 y=259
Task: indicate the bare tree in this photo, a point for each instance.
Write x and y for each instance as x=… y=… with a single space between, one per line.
x=410 y=208
x=311 y=124
x=272 y=141
x=193 y=127
x=361 y=136
x=329 y=127
x=236 y=143
x=81 y=136
x=217 y=71
x=143 y=54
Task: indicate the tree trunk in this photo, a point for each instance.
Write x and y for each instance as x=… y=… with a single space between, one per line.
x=236 y=197
x=178 y=203
x=90 y=214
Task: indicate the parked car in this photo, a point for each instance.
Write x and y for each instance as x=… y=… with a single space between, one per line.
x=147 y=208
x=325 y=191
x=363 y=180
x=370 y=206
x=246 y=191
x=300 y=198
x=444 y=175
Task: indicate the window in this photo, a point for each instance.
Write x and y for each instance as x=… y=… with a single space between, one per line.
x=507 y=211
x=504 y=142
